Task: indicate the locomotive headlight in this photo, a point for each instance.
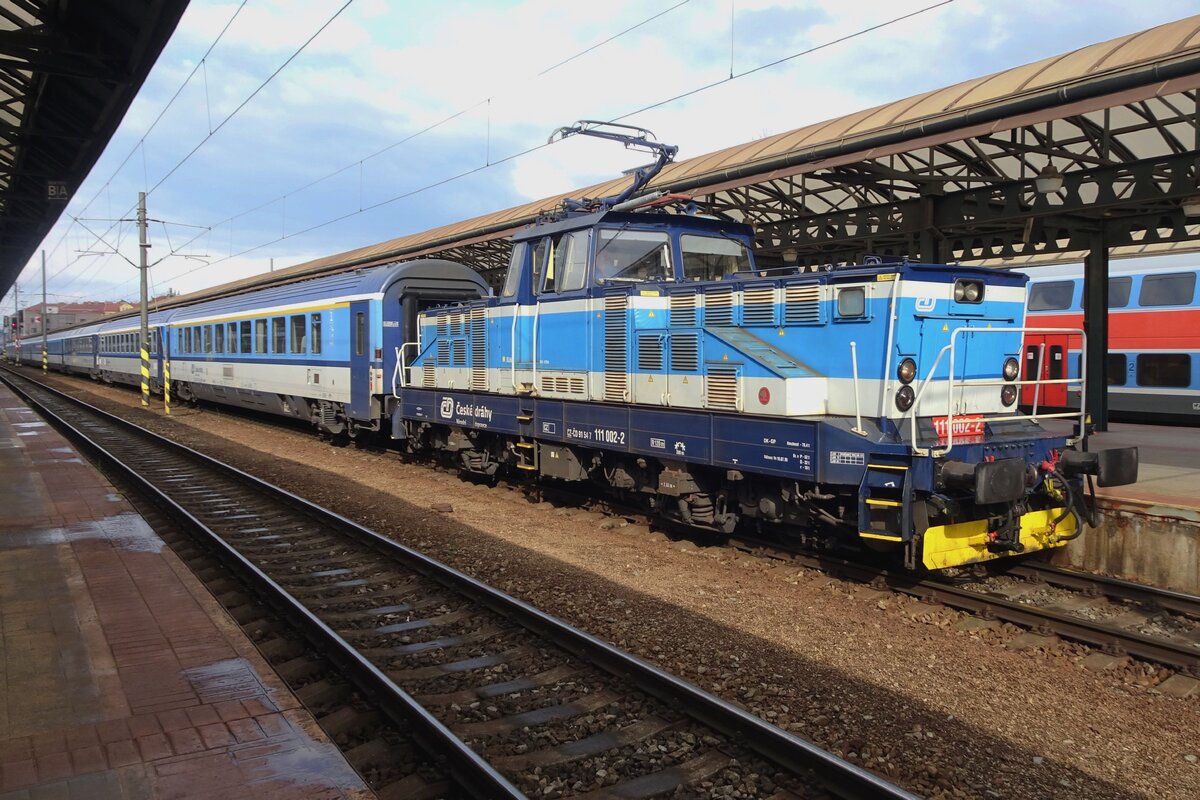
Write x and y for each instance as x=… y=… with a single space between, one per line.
x=1011 y=369
x=1008 y=395
x=907 y=370
x=904 y=398
x=968 y=291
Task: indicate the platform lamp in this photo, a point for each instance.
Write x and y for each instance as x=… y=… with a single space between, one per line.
x=1190 y=206
x=1049 y=180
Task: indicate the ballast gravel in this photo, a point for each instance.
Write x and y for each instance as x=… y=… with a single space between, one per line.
x=885 y=681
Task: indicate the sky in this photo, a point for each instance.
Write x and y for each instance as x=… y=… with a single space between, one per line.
x=403 y=115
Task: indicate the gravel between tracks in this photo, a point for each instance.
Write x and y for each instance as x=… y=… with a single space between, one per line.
x=885 y=681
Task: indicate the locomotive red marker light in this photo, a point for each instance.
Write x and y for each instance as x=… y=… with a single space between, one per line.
x=764 y=395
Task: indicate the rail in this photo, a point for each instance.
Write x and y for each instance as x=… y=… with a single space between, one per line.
x=953 y=386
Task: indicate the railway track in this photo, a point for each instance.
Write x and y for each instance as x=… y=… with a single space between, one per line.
x=503 y=699
x=1115 y=616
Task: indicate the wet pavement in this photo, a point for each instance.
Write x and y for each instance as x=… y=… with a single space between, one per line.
x=122 y=677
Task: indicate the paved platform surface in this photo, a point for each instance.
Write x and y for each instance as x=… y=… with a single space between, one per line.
x=1168 y=462
x=122 y=677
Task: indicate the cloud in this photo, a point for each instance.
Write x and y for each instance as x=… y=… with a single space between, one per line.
x=383 y=72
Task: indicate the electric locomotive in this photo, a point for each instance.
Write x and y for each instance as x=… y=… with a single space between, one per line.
x=641 y=349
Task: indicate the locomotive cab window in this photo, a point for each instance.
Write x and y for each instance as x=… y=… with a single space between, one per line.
x=852 y=302
x=516 y=263
x=626 y=256
x=708 y=258
x=567 y=268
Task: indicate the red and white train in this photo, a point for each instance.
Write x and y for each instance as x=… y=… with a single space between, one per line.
x=1153 y=342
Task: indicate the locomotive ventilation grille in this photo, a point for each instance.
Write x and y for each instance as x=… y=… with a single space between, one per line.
x=718 y=306
x=443 y=323
x=616 y=345
x=456 y=322
x=429 y=375
x=443 y=352
x=758 y=305
x=685 y=352
x=479 y=349
x=683 y=310
x=562 y=384
x=802 y=304
x=458 y=352
x=722 y=386
x=650 y=352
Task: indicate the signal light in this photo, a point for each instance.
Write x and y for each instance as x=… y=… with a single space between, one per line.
x=1008 y=395
x=905 y=397
x=907 y=370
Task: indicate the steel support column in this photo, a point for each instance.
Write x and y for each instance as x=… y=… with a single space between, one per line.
x=1095 y=323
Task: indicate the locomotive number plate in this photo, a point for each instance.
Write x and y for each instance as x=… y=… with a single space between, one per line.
x=970 y=425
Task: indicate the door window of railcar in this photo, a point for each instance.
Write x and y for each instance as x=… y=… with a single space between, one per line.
x=299 y=336
x=1053 y=296
x=360 y=333
x=278 y=335
x=515 y=263
x=1168 y=290
x=1164 y=369
x=707 y=258
x=627 y=256
x=260 y=336
x=246 y=340
x=315 y=338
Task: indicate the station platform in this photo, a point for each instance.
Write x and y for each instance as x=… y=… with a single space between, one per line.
x=122 y=677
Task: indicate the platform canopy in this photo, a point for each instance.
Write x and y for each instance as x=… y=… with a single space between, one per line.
x=68 y=71
x=950 y=175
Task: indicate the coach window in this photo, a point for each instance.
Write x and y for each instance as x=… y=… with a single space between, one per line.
x=198 y=339
x=1053 y=296
x=626 y=256
x=1164 y=369
x=316 y=334
x=246 y=340
x=231 y=337
x=260 y=336
x=298 y=341
x=360 y=333
x=1117 y=368
x=278 y=335
x=218 y=338
x=208 y=338
x=186 y=343
x=1167 y=290
x=515 y=262
x=1118 y=294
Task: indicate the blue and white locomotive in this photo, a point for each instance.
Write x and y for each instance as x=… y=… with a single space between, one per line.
x=645 y=353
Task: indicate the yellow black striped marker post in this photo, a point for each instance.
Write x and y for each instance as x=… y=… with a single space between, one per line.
x=45 y=361
x=167 y=386
x=145 y=376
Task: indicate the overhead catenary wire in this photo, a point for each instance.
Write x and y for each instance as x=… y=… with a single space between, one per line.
x=657 y=104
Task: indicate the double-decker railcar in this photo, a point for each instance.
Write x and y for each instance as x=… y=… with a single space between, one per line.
x=1153 y=348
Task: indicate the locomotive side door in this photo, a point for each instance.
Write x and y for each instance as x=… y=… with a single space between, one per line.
x=360 y=360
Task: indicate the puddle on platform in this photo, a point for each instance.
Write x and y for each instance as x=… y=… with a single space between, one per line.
x=127 y=531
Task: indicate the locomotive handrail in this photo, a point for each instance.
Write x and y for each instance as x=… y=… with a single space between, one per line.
x=401 y=369
x=894 y=309
x=951 y=385
x=858 y=428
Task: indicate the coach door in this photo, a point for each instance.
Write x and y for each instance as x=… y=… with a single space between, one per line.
x=1051 y=349
x=360 y=360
